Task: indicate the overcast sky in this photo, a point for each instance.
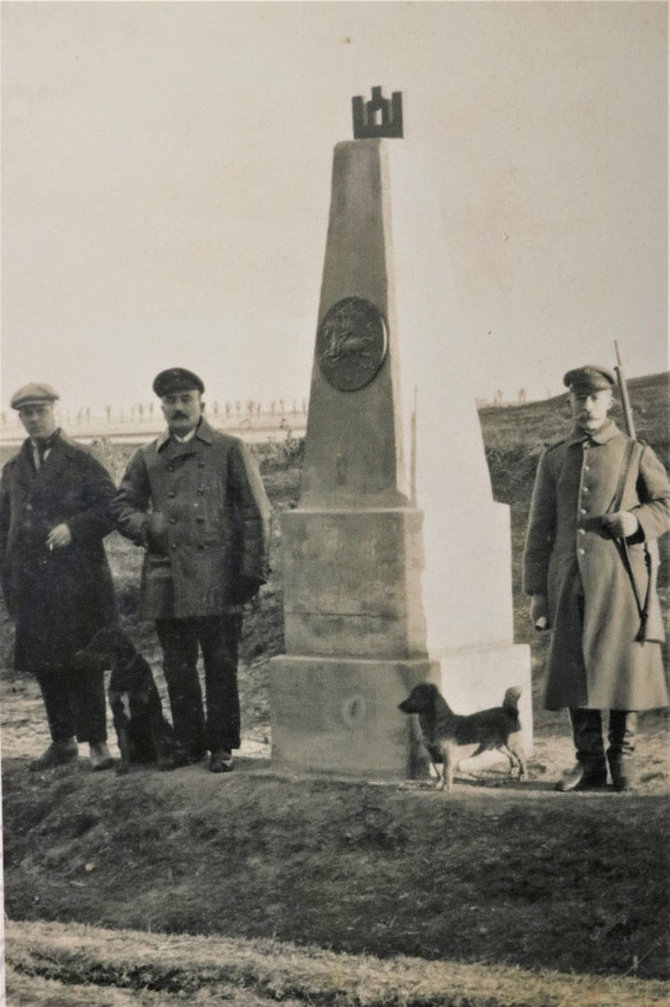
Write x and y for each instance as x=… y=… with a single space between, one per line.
x=166 y=184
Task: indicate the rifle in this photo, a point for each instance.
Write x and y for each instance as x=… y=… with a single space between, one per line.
x=623 y=392
x=642 y=606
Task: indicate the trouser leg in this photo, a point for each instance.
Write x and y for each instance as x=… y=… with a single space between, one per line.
x=58 y=703
x=90 y=707
x=621 y=750
x=179 y=641
x=591 y=768
x=588 y=738
x=219 y=639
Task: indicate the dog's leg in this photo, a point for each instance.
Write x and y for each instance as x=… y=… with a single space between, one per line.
x=120 y=719
x=515 y=748
x=124 y=747
x=437 y=758
x=513 y=761
x=449 y=764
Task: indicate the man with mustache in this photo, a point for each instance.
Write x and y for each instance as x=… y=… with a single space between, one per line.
x=195 y=501
x=599 y=503
x=55 y=510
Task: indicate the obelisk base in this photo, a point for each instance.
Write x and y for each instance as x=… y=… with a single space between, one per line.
x=340 y=716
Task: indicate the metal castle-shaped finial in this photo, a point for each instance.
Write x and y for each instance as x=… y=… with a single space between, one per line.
x=377 y=117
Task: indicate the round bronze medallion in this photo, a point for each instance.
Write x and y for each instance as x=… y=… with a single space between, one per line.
x=351 y=343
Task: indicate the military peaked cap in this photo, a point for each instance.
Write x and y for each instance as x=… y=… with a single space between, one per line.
x=176 y=379
x=592 y=378
x=33 y=394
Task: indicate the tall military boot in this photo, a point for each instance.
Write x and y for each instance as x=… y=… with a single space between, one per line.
x=590 y=772
x=621 y=751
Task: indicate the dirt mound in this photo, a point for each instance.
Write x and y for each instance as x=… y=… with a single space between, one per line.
x=499 y=872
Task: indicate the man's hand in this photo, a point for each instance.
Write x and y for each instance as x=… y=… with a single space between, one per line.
x=59 y=537
x=622 y=524
x=156 y=534
x=539 y=612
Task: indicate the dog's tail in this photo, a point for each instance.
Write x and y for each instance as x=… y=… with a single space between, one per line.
x=511 y=700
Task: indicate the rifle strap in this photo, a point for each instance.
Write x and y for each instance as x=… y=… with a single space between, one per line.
x=623 y=475
x=622 y=544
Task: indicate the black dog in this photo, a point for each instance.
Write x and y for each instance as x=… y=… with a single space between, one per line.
x=144 y=735
x=443 y=730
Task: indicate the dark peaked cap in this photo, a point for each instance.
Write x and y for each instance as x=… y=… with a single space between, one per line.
x=592 y=378
x=176 y=379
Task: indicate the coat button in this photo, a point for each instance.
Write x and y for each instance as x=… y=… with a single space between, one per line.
x=582 y=531
x=170 y=468
x=171 y=494
x=585 y=489
x=173 y=520
x=582 y=552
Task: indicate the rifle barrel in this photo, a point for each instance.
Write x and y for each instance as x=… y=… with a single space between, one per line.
x=623 y=392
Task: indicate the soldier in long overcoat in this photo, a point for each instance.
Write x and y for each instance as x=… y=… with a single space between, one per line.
x=194 y=499
x=55 y=510
x=599 y=503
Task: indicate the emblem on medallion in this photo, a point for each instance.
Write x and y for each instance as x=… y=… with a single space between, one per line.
x=351 y=343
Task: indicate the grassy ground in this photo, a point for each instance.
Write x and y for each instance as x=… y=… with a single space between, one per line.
x=50 y=963
x=312 y=891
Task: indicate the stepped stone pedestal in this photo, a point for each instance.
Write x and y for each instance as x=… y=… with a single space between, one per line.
x=396 y=562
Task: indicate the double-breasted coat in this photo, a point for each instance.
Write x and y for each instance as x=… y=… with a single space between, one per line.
x=58 y=598
x=595 y=660
x=201 y=511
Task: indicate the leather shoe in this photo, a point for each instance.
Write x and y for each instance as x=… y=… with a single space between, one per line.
x=583 y=778
x=101 y=757
x=221 y=761
x=58 y=753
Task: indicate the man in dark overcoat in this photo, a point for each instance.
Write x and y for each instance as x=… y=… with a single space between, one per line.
x=194 y=499
x=55 y=510
x=599 y=504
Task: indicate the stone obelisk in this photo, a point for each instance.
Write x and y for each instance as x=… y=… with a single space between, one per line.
x=396 y=562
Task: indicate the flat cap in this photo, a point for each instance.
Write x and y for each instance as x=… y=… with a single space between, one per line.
x=592 y=378
x=176 y=379
x=32 y=394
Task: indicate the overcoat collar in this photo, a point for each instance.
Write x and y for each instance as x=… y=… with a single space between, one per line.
x=608 y=431
x=61 y=445
x=203 y=432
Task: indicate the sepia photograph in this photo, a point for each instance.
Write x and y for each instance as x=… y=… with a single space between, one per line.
x=334 y=493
